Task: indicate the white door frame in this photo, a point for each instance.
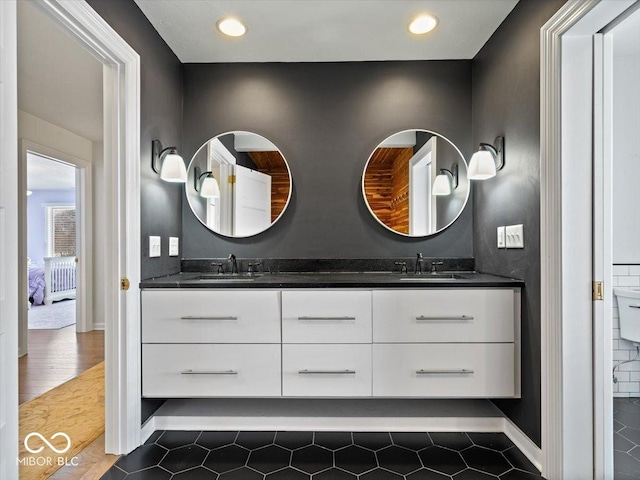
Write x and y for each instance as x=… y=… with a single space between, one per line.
x=84 y=246
x=122 y=214
x=8 y=242
x=428 y=214
x=565 y=284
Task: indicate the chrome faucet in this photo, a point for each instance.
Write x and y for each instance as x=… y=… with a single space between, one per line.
x=419 y=261
x=434 y=267
x=219 y=265
x=234 y=263
x=403 y=266
x=253 y=264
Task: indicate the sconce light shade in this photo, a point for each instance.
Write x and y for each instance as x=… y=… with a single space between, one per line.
x=487 y=160
x=29 y=192
x=446 y=181
x=206 y=184
x=209 y=187
x=173 y=168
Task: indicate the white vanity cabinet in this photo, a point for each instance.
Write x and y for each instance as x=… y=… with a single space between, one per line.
x=446 y=343
x=393 y=343
x=211 y=343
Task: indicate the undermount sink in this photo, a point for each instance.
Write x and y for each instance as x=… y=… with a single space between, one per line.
x=430 y=277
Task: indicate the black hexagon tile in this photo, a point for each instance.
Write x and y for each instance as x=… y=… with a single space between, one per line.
x=155 y=473
x=494 y=441
x=174 y=439
x=243 y=473
x=293 y=440
x=442 y=460
x=253 y=440
x=398 y=459
x=269 y=459
x=381 y=474
x=519 y=460
x=413 y=440
x=469 y=474
x=453 y=440
x=142 y=457
x=312 y=459
x=333 y=440
x=227 y=458
x=355 y=459
x=334 y=474
x=372 y=440
x=184 y=458
x=486 y=460
x=288 y=474
x=213 y=440
x=198 y=473
x=426 y=474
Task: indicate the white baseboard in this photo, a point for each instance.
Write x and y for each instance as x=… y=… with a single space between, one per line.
x=148 y=428
x=524 y=443
x=98 y=326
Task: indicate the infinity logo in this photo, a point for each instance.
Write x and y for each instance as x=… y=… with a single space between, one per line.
x=53 y=437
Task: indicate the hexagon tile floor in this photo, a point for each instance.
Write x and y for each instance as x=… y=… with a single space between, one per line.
x=174 y=455
x=626 y=439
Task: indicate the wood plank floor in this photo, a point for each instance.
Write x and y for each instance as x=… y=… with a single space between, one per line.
x=56 y=356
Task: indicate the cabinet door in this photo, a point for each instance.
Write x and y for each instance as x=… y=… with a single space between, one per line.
x=326 y=370
x=210 y=370
x=443 y=370
x=326 y=317
x=222 y=316
x=441 y=315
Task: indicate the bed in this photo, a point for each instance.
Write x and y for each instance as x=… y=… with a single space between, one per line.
x=54 y=281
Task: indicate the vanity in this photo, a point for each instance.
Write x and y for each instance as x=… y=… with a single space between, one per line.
x=331 y=335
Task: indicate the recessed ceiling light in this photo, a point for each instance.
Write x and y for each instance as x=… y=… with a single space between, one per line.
x=231 y=27
x=423 y=24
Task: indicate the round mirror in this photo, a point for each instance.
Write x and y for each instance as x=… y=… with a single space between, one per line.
x=415 y=183
x=238 y=184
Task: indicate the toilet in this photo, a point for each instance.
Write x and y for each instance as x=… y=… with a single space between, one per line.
x=629 y=308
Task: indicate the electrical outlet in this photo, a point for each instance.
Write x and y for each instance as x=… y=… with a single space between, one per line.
x=515 y=236
x=502 y=243
x=155 y=246
x=174 y=246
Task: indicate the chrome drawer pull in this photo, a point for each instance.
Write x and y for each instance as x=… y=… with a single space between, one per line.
x=446 y=319
x=327 y=372
x=326 y=318
x=464 y=371
x=634 y=305
x=208 y=318
x=209 y=372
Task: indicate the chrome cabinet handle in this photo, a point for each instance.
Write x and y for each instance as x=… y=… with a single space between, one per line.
x=326 y=318
x=190 y=317
x=327 y=372
x=634 y=305
x=209 y=372
x=464 y=318
x=464 y=371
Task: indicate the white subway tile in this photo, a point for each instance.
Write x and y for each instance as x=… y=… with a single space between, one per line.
x=615 y=388
x=630 y=367
x=629 y=387
x=615 y=322
x=621 y=395
x=621 y=354
x=614 y=281
x=629 y=281
x=626 y=345
x=621 y=269
x=616 y=333
x=634 y=270
x=624 y=376
x=634 y=376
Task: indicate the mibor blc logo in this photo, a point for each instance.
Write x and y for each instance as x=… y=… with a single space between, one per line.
x=28 y=438
x=36 y=443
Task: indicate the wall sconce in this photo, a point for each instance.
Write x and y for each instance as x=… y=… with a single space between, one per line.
x=173 y=168
x=207 y=186
x=487 y=160
x=446 y=181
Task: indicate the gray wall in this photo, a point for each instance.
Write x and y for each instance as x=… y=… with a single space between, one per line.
x=506 y=101
x=161 y=118
x=327 y=118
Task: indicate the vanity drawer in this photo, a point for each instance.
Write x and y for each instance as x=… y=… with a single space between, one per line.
x=171 y=370
x=443 y=370
x=326 y=370
x=326 y=317
x=210 y=316
x=441 y=315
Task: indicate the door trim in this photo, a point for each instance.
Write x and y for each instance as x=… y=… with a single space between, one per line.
x=122 y=214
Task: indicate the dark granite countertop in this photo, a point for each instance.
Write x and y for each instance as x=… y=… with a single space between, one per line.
x=331 y=280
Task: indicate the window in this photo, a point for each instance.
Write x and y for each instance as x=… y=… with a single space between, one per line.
x=61 y=231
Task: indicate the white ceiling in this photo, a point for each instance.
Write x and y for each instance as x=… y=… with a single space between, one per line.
x=58 y=81
x=46 y=174
x=324 y=30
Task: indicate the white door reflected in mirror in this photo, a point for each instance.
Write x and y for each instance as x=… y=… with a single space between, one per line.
x=239 y=184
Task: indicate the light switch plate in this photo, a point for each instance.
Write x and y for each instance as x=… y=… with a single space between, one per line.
x=502 y=243
x=155 y=246
x=515 y=236
x=174 y=246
